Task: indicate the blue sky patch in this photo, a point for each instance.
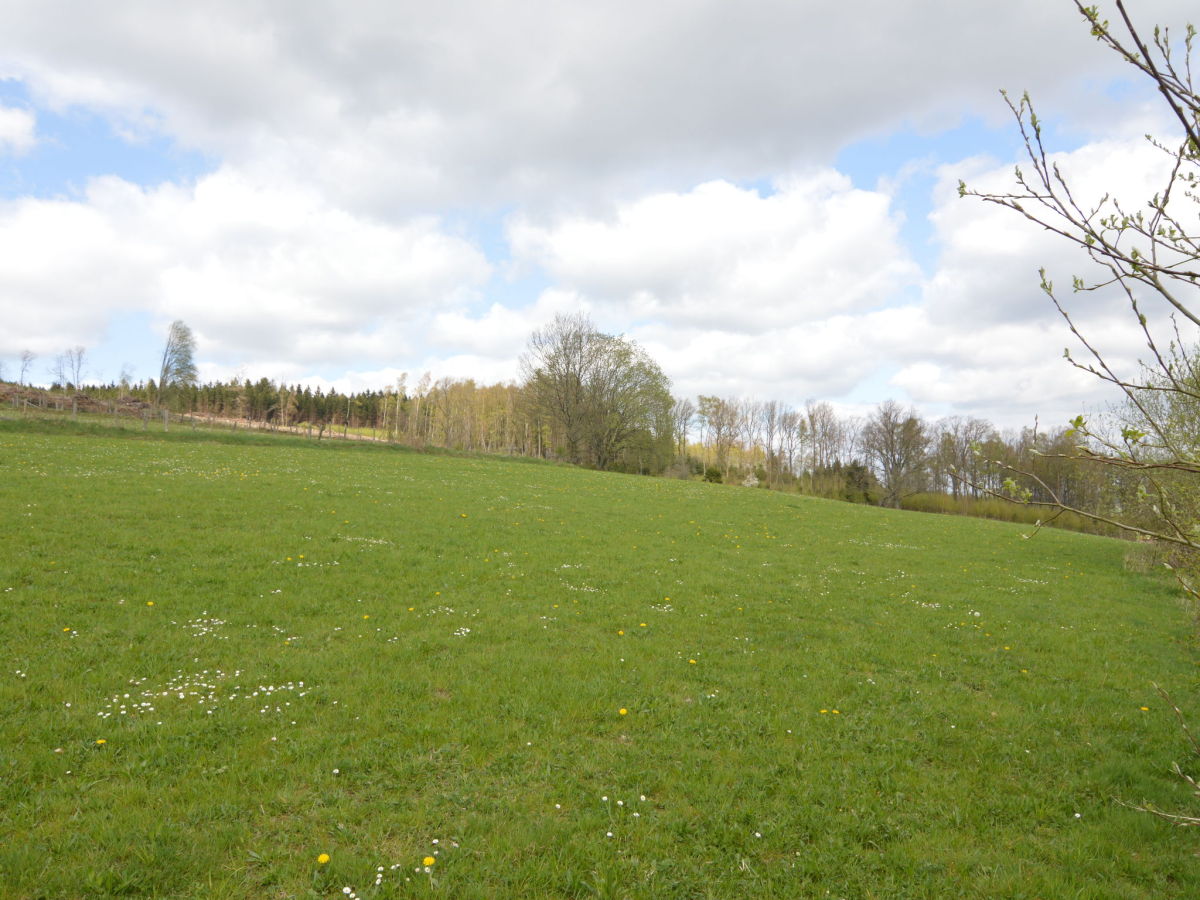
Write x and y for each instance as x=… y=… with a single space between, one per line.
x=76 y=145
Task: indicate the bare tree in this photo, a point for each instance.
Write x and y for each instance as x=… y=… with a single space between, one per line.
x=683 y=414
x=27 y=358
x=826 y=435
x=894 y=441
x=75 y=357
x=771 y=433
x=1151 y=256
x=793 y=428
x=60 y=371
x=720 y=418
x=954 y=461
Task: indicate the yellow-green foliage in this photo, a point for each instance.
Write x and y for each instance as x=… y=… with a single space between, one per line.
x=1005 y=511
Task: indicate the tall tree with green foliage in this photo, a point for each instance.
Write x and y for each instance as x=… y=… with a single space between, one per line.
x=601 y=394
x=178 y=361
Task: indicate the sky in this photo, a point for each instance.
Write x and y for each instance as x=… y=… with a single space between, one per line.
x=763 y=195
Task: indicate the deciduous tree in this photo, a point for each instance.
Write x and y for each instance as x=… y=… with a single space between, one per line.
x=1150 y=254
x=178 y=366
x=596 y=390
x=894 y=441
x=27 y=358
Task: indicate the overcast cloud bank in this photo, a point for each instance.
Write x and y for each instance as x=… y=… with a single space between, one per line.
x=395 y=187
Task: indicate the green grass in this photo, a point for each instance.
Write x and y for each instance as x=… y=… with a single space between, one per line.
x=436 y=647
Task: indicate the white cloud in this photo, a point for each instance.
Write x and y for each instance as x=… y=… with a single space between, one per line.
x=17 y=130
x=500 y=333
x=540 y=102
x=995 y=341
x=258 y=273
x=725 y=257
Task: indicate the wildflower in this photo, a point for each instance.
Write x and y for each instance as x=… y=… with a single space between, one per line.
x=322 y=859
x=101 y=741
x=623 y=711
x=428 y=861
x=620 y=632
x=149 y=602
x=1144 y=708
x=692 y=661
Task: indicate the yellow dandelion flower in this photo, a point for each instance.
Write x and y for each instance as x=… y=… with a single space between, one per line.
x=692 y=661
x=620 y=632
x=623 y=711
x=101 y=741
x=322 y=859
x=428 y=861
x=1144 y=708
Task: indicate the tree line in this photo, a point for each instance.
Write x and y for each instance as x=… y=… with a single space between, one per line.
x=600 y=400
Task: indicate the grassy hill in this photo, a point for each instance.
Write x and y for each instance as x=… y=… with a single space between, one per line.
x=225 y=658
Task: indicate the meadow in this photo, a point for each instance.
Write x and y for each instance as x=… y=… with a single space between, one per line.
x=256 y=666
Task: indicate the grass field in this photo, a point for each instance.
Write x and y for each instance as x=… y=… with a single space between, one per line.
x=477 y=678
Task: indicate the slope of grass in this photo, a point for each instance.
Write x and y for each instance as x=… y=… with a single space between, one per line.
x=223 y=659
